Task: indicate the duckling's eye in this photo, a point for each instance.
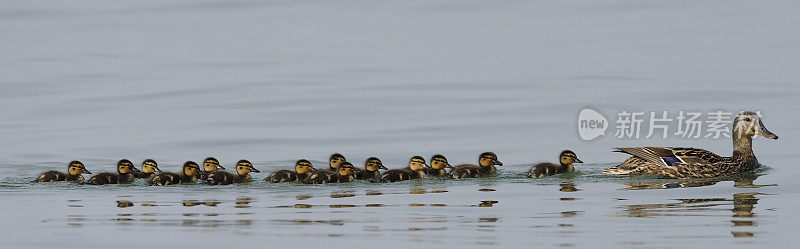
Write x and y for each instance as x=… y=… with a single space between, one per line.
x=747 y=120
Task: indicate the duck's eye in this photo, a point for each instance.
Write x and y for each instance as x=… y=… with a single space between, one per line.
x=747 y=120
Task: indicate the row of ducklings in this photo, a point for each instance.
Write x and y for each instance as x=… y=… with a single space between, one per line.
x=339 y=170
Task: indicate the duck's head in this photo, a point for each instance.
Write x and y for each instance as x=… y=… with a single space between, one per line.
x=212 y=164
x=303 y=166
x=439 y=162
x=335 y=160
x=373 y=164
x=125 y=166
x=244 y=167
x=748 y=124
x=567 y=157
x=488 y=159
x=346 y=168
x=190 y=168
x=150 y=166
x=417 y=163
x=76 y=168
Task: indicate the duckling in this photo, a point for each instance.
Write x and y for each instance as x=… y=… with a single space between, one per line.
x=190 y=173
x=210 y=165
x=149 y=168
x=566 y=158
x=74 y=171
x=302 y=168
x=415 y=170
x=243 y=170
x=124 y=175
x=438 y=165
x=346 y=172
x=333 y=163
x=485 y=167
x=371 y=167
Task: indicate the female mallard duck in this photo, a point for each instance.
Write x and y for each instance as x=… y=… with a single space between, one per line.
x=124 y=175
x=673 y=162
x=371 y=167
x=189 y=174
x=346 y=172
x=438 y=165
x=566 y=159
x=415 y=170
x=210 y=165
x=243 y=170
x=74 y=171
x=302 y=168
x=149 y=168
x=485 y=167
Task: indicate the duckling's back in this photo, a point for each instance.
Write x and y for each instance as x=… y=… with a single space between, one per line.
x=103 y=178
x=283 y=175
x=466 y=171
x=396 y=175
x=542 y=170
x=51 y=176
x=436 y=172
x=319 y=177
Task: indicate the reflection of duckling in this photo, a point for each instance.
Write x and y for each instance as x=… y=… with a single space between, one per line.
x=210 y=165
x=243 y=169
x=124 y=175
x=438 y=165
x=415 y=170
x=371 y=167
x=149 y=168
x=74 y=171
x=346 y=172
x=302 y=168
x=566 y=159
x=189 y=174
x=486 y=163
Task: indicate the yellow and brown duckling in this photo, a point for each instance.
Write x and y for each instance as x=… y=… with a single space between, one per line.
x=333 y=163
x=485 y=167
x=189 y=174
x=681 y=163
x=346 y=172
x=371 y=169
x=302 y=168
x=74 y=171
x=243 y=170
x=438 y=167
x=210 y=165
x=125 y=170
x=149 y=168
x=566 y=158
x=415 y=170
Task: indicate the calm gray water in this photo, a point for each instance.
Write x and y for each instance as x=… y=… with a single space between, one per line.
x=275 y=81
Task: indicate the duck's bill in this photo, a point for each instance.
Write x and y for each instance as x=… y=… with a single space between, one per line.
x=135 y=170
x=578 y=160
x=158 y=170
x=86 y=172
x=382 y=167
x=498 y=163
x=254 y=170
x=766 y=133
x=219 y=167
x=449 y=166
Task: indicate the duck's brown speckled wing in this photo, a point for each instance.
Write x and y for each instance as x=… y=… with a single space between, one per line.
x=673 y=162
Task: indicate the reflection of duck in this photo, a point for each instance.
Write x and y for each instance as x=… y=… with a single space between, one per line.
x=744 y=180
x=673 y=162
x=124 y=175
x=74 y=171
x=302 y=168
x=485 y=167
x=567 y=187
x=565 y=158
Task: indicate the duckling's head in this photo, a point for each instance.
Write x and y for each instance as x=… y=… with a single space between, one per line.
x=125 y=166
x=76 y=168
x=150 y=166
x=748 y=124
x=439 y=162
x=346 y=168
x=373 y=164
x=417 y=163
x=212 y=164
x=488 y=159
x=567 y=157
x=244 y=167
x=335 y=160
x=190 y=168
x=303 y=166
